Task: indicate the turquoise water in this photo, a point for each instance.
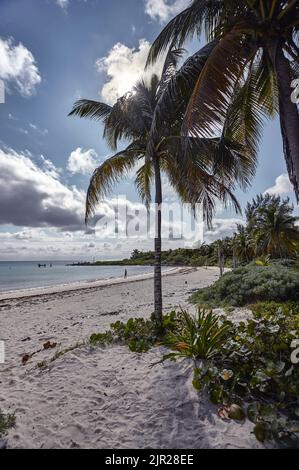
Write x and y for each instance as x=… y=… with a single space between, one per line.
x=17 y=275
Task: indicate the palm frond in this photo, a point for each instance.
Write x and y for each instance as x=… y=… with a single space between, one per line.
x=143 y=181
x=170 y=67
x=107 y=175
x=214 y=89
x=172 y=103
x=201 y=13
x=91 y=109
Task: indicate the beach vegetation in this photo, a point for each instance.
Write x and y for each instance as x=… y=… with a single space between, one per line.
x=253 y=283
x=138 y=334
x=61 y=352
x=7 y=421
x=197 y=336
x=246 y=369
x=249 y=373
x=269 y=232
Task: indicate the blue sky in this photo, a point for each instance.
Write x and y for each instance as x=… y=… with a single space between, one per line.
x=53 y=52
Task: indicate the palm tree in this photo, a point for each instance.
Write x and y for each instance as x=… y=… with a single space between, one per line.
x=243 y=243
x=195 y=177
x=273 y=227
x=253 y=59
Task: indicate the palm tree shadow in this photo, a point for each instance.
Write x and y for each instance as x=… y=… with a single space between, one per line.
x=177 y=417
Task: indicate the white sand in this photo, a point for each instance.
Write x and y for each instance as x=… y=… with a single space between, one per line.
x=104 y=398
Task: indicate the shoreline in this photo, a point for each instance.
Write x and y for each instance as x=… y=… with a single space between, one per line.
x=85 y=285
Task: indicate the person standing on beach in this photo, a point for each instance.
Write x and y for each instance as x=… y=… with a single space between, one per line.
x=126 y=274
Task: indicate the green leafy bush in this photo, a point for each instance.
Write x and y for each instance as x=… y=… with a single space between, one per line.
x=138 y=334
x=254 y=370
x=7 y=421
x=267 y=309
x=250 y=284
x=199 y=336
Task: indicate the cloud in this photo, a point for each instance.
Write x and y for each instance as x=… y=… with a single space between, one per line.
x=222 y=228
x=23 y=131
x=163 y=10
x=37 y=129
x=63 y=3
x=82 y=161
x=33 y=197
x=49 y=168
x=123 y=66
x=18 y=67
x=282 y=186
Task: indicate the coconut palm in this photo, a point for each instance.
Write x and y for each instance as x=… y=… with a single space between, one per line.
x=195 y=177
x=254 y=57
x=273 y=227
x=243 y=245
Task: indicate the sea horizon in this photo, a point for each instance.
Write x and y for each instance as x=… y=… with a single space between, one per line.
x=22 y=275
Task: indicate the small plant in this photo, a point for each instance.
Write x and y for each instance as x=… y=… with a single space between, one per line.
x=199 y=337
x=42 y=365
x=7 y=421
x=62 y=352
x=263 y=261
x=138 y=334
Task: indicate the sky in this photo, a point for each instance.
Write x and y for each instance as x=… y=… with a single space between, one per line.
x=65 y=50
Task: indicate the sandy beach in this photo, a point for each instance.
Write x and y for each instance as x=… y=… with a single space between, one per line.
x=94 y=397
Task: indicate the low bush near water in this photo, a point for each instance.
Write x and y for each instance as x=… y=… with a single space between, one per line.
x=252 y=283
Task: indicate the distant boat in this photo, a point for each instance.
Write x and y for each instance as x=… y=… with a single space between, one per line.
x=42 y=265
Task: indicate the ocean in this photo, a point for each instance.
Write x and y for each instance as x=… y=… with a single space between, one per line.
x=16 y=275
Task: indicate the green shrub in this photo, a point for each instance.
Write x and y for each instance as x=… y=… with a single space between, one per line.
x=254 y=370
x=7 y=421
x=138 y=334
x=267 y=309
x=252 y=283
x=199 y=337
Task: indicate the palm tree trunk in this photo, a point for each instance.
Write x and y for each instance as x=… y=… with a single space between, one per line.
x=158 y=243
x=289 y=116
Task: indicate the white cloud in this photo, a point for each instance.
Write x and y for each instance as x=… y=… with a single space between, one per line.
x=123 y=66
x=82 y=161
x=11 y=117
x=23 y=131
x=163 y=10
x=63 y=3
x=37 y=129
x=49 y=168
x=18 y=67
x=222 y=228
x=282 y=186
